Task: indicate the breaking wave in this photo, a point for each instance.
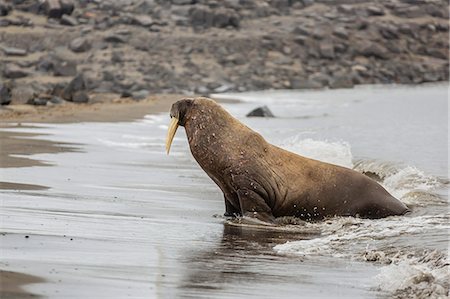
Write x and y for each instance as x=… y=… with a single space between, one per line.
x=338 y=152
x=407 y=269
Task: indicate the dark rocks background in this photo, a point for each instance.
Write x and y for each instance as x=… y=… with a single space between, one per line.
x=61 y=50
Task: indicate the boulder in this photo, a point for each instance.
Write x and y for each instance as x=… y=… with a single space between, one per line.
x=375 y=11
x=57 y=8
x=142 y=20
x=80 y=97
x=64 y=68
x=72 y=92
x=11 y=51
x=326 y=49
x=201 y=17
x=262 y=111
x=340 y=32
x=5 y=8
x=12 y=71
x=5 y=94
x=79 y=45
x=68 y=20
x=22 y=94
x=376 y=50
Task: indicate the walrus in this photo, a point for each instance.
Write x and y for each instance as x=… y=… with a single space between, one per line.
x=262 y=181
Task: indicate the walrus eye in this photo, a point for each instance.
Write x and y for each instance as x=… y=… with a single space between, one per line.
x=171 y=132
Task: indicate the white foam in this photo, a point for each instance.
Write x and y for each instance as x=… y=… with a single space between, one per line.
x=423 y=276
x=337 y=152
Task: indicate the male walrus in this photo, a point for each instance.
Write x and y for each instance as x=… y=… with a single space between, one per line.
x=263 y=181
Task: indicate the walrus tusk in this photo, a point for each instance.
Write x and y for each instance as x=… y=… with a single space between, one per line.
x=171 y=132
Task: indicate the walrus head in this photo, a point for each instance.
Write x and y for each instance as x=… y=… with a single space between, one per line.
x=178 y=116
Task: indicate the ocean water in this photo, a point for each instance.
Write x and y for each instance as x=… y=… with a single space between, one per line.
x=121 y=219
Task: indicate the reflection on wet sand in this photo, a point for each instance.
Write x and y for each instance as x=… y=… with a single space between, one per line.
x=243 y=255
x=11 y=284
x=18 y=143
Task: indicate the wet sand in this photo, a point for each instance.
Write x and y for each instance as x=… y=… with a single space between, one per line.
x=11 y=285
x=25 y=144
x=123 y=219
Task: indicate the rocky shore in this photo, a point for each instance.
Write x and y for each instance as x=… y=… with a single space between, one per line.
x=58 y=51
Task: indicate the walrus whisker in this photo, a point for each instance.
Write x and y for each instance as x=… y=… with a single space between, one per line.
x=173 y=126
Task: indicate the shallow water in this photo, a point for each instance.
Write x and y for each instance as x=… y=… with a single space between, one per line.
x=122 y=219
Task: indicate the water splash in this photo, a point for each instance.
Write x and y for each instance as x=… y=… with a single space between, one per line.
x=337 y=152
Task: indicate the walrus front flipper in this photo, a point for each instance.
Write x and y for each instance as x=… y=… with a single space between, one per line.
x=254 y=206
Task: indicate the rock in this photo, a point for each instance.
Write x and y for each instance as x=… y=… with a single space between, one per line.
x=224 y=18
x=115 y=38
x=5 y=94
x=341 y=81
x=326 y=49
x=409 y=12
x=22 y=94
x=142 y=20
x=223 y=88
x=12 y=71
x=388 y=31
x=57 y=8
x=305 y=84
x=301 y=30
x=37 y=101
x=10 y=51
x=373 y=50
x=140 y=94
x=340 y=32
x=318 y=33
x=201 y=17
x=80 y=97
x=262 y=111
x=76 y=85
x=5 y=8
x=68 y=20
x=64 y=68
x=79 y=45
x=182 y=2
x=375 y=11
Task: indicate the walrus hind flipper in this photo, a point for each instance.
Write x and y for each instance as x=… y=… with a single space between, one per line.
x=254 y=206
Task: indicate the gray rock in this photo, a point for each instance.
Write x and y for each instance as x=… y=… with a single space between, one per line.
x=142 y=20
x=224 y=18
x=68 y=20
x=80 y=97
x=182 y=2
x=5 y=8
x=375 y=11
x=22 y=94
x=64 y=68
x=76 y=85
x=140 y=94
x=11 y=51
x=340 y=32
x=202 y=17
x=373 y=50
x=341 y=81
x=38 y=101
x=305 y=84
x=53 y=8
x=5 y=94
x=56 y=100
x=12 y=71
x=388 y=31
x=326 y=49
x=115 y=38
x=302 y=30
x=262 y=111
x=79 y=45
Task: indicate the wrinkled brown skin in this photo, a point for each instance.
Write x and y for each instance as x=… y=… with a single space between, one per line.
x=263 y=181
